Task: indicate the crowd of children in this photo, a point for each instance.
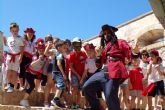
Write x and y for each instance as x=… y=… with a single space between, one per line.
x=63 y=66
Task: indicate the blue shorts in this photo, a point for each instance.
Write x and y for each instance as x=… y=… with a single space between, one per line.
x=58 y=78
x=74 y=80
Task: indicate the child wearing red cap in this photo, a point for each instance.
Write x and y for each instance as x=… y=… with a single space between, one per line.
x=35 y=71
x=14 y=56
x=27 y=54
x=135 y=83
x=155 y=74
x=91 y=66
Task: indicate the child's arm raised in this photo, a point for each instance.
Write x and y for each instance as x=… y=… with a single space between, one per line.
x=47 y=50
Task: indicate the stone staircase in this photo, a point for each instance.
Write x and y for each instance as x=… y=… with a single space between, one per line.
x=10 y=101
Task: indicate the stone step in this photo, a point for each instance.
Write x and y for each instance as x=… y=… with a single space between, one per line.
x=13 y=107
x=36 y=99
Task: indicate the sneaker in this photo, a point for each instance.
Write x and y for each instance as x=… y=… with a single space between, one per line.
x=7 y=87
x=21 y=89
x=41 y=89
x=75 y=106
x=10 y=89
x=46 y=104
x=56 y=102
x=24 y=103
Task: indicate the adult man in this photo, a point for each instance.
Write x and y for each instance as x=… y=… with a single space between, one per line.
x=114 y=54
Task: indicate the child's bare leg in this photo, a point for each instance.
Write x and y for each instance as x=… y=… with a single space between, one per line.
x=149 y=102
x=75 y=94
x=126 y=98
x=48 y=87
x=133 y=104
x=162 y=98
x=138 y=102
x=37 y=83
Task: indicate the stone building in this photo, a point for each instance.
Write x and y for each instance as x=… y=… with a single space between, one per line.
x=147 y=31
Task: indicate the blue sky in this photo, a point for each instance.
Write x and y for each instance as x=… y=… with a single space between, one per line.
x=68 y=18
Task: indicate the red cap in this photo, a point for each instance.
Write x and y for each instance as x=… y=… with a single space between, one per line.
x=155 y=52
x=40 y=43
x=29 y=30
x=89 y=46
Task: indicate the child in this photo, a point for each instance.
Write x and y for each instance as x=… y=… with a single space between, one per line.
x=35 y=71
x=135 y=82
x=77 y=66
x=155 y=72
x=14 y=56
x=59 y=75
x=91 y=66
x=51 y=52
x=124 y=89
x=27 y=54
x=143 y=64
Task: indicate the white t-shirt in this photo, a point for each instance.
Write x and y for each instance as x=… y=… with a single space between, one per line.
x=39 y=63
x=14 y=44
x=29 y=46
x=143 y=66
x=154 y=76
x=90 y=65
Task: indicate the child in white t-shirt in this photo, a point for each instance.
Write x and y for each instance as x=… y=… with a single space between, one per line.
x=14 y=55
x=155 y=74
x=92 y=66
x=29 y=50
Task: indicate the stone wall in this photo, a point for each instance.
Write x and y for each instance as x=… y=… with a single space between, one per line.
x=138 y=31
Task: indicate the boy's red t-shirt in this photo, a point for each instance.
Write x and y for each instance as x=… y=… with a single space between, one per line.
x=136 y=77
x=78 y=59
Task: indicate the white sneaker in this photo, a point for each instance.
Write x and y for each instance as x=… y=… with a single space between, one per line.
x=24 y=103
x=6 y=87
x=10 y=89
x=46 y=104
x=21 y=89
x=41 y=89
